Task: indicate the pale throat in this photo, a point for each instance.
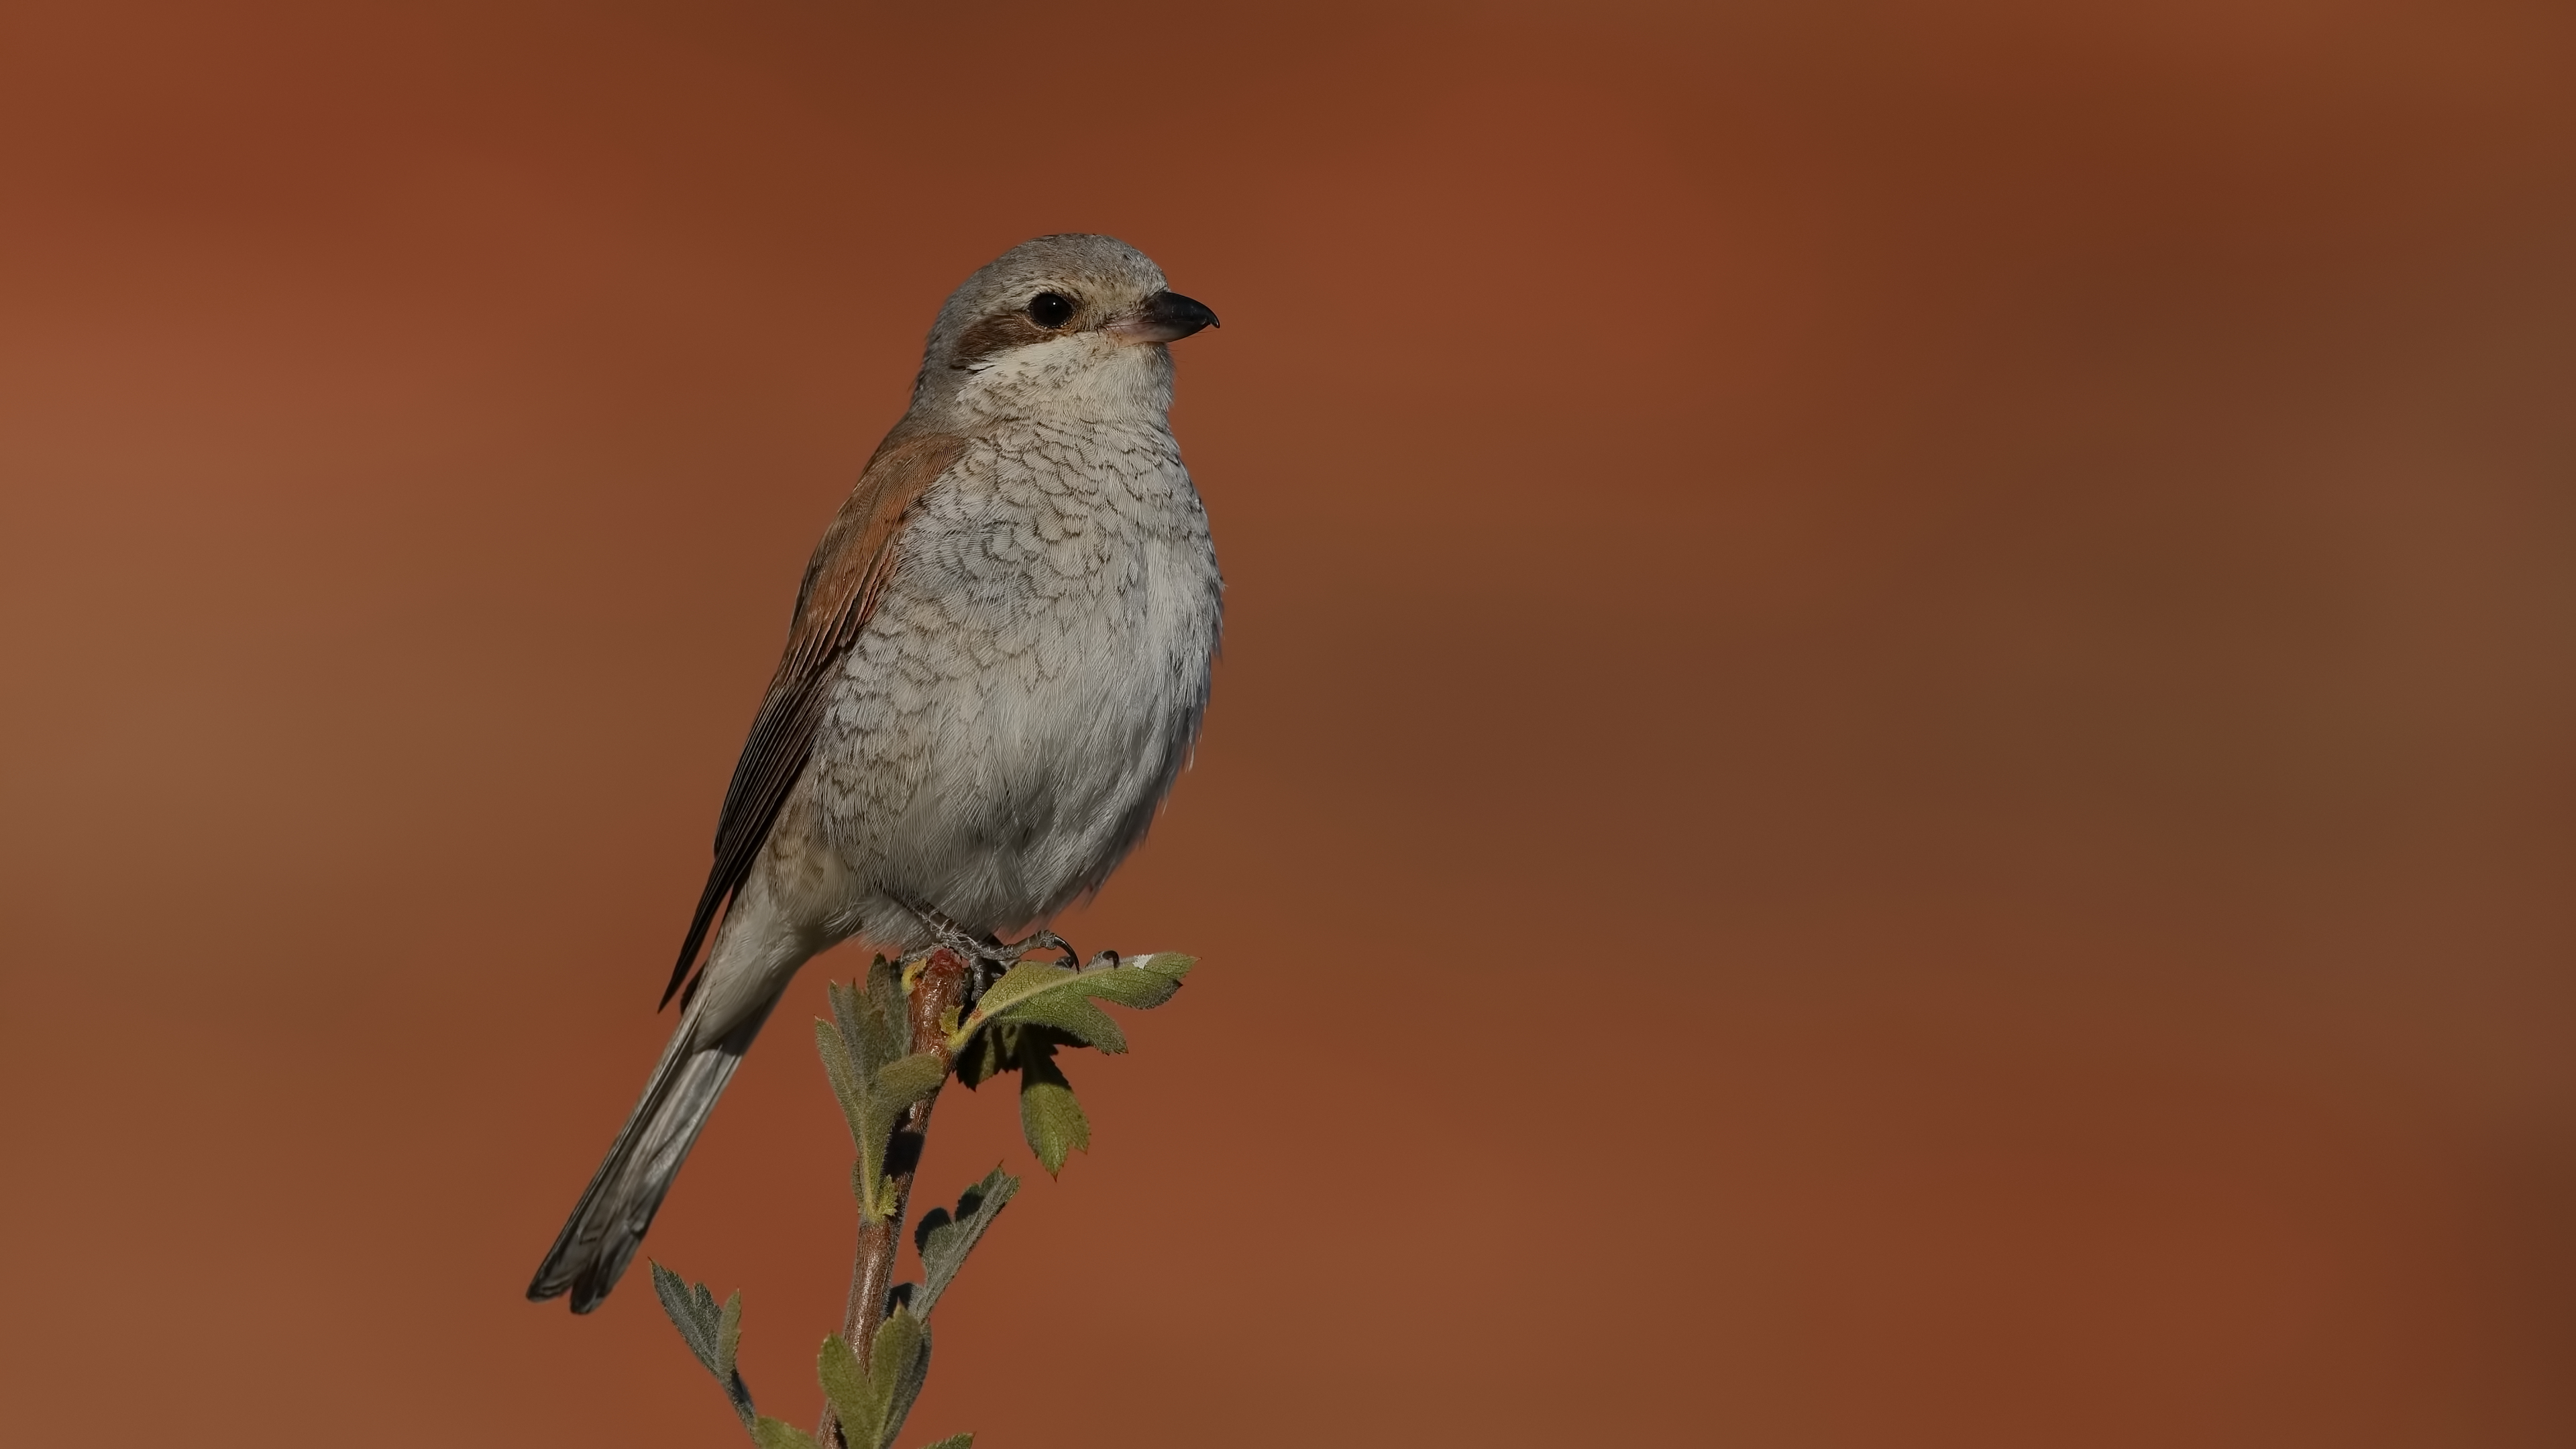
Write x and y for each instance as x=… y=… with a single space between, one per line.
x=1086 y=377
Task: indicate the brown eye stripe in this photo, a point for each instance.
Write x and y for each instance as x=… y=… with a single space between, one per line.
x=998 y=333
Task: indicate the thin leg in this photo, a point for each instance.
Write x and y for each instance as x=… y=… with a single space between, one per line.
x=988 y=958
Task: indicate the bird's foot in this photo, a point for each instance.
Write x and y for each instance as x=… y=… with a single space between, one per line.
x=992 y=960
x=988 y=959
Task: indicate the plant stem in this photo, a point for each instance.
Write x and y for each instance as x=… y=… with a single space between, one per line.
x=939 y=989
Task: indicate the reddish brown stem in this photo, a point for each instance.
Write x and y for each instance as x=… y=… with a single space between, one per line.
x=939 y=989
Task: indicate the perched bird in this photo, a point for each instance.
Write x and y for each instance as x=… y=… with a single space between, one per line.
x=998 y=664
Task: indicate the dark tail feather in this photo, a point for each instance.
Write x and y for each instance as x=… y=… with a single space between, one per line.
x=600 y=1237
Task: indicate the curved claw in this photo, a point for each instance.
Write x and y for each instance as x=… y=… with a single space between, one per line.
x=1040 y=941
x=988 y=959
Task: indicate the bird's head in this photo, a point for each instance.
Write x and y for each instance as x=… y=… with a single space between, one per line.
x=1069 y=326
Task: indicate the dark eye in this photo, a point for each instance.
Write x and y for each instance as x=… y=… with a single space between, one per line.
x=1050 y=310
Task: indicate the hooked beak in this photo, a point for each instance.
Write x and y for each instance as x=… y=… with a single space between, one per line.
x=1165 y=317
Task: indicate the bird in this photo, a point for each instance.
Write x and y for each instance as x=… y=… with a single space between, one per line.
x=997 y=666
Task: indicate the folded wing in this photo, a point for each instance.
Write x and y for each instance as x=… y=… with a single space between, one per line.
x=849 y=571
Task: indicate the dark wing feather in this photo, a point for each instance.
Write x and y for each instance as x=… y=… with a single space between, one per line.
x=840 y=590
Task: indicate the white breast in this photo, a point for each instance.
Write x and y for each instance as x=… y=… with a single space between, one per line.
x=1032 y=678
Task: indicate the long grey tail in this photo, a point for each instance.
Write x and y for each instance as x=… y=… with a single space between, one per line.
x=608 y=1223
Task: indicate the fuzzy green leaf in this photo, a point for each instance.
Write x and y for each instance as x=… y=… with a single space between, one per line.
x=713 y=1334
x=997 y=1049
x=871 y=1403
x=907 y=1080
x=846 y=1388
x=693 y=1312
x=1049 y=1116
x=872 y=1015
x=1071 y=1013
x=945 y=1239
x=902 y=1362
x=953 y=1441
x=841 y=1066
x=986 y=1055
x=771 y=1433
x=873 y=1088
x=1143 y=983
x=1043 y=994
x=729 y=1334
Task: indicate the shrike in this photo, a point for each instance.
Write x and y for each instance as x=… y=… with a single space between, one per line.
x=997 y=666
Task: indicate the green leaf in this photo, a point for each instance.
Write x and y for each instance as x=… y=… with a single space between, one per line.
x=779 y=1434
x=945 y=1239
x=873 y=1015
x=840 y=1064
x=987 y=1055
x=908 y=1080
x=713 y=1334
x=861 y=1047
x=847 y=1390
x=997 y=1049
x=1043 y=994
x=1072 y=1013
x=729 y=1333
x=1049 y=1116
x=693 y=1312
x=953 y=1441
x=902 y=1360
x=871 y=1403
x=872 y=1029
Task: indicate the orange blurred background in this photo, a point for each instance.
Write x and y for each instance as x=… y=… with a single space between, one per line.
x=1893 y=764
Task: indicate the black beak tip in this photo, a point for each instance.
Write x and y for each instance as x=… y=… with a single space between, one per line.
x=1180 y=315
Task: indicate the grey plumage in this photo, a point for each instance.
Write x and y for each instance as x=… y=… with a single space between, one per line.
x=1000 y=663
